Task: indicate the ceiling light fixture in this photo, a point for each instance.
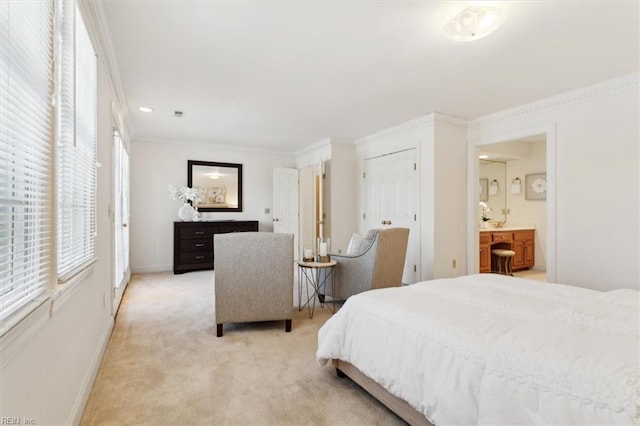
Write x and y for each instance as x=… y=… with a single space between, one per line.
x=145 y=109
x=474 y=23
x=483 y=156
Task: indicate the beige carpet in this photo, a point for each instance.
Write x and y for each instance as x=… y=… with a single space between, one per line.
x=164 y=365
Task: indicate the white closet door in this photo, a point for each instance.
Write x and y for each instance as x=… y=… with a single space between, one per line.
x=121 y=218
x=285 y=203
x=390 y=187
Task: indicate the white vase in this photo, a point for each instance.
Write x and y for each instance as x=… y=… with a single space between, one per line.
x=484 y=224
x=186 y=212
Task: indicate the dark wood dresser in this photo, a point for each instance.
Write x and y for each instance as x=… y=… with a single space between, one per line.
x=193 y=242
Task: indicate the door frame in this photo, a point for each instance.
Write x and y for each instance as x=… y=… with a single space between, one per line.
x=417 y=227
x=118 y=292
x=296 y=239
x=473 y=145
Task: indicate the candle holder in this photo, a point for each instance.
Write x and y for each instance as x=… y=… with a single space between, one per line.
x=308 y=255
x=323 y=248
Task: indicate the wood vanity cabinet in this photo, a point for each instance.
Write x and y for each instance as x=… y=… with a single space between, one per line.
x=524 y=246
x=485 y=252
x=520 y=241
x=193 y=242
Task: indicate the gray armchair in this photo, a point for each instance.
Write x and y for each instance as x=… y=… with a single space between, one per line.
x=379 y=263
x=253 y=278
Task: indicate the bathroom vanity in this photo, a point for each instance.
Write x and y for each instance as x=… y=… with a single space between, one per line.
x=520 y=240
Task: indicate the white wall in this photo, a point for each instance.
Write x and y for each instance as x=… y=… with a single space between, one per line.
x=440 y=142
x=449 y=203
x=157 y=164
x=597 y=178
x=49 y=360
x=340 y=193
x=342 y=184
x=525 y=212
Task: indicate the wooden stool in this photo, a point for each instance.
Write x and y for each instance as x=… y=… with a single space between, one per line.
x=504 y=257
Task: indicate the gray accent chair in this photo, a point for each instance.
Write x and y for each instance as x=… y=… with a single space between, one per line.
x=253 y=278
x=379 y=263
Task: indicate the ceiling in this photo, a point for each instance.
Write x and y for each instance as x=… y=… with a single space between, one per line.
x=281 y=75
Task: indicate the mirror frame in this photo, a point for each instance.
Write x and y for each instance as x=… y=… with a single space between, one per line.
x=191 y=163
x=503 y=187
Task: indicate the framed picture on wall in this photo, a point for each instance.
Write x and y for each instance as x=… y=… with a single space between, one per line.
x=535 y=186
x=484 y=189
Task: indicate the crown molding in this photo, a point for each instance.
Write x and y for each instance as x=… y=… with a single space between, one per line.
x=313 y=147
x=435 y=118
x=574 y=97
x=93 y=14
x=206 y=145
x=341 y=142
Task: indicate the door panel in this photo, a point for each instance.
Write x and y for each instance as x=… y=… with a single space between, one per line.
x=390 y=200
x=285 y=203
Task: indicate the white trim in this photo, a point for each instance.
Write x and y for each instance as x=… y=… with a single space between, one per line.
x=85 y=390
x=17 y=335
x=607 y=88
x=117 y=293
x=95 y=22
x=312 y=147
x=65 y=291
x=473 y=245
x=151 y=269
x=416 y=123
x=213 y=146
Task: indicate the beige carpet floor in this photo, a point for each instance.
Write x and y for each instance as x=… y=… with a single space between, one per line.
x=164 y=365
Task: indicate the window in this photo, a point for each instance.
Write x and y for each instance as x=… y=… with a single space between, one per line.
x=26 y=133
x=43 y=89
x=76 y=150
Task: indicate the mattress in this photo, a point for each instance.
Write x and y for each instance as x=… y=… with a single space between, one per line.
x=492 y=349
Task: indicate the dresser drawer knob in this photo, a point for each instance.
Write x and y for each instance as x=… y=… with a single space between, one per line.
x=199 y=257
x=199 y=232
x=200 y=245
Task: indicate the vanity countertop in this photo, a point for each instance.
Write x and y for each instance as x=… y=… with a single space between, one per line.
x=507 y=228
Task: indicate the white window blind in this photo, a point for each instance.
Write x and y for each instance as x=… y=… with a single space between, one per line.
x=76 y=151
x=26 y=151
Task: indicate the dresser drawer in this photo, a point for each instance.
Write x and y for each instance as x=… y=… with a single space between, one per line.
x=191 y=258
x=499 y=237
x=199 y=232
x=193 y=242
x=528 y=234
x=196 y=244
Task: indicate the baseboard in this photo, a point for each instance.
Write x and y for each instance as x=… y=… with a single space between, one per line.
x=83 y=396
x=150 y=269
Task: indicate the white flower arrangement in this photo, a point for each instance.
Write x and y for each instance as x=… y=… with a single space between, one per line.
x=186 y=194
x=485 y=210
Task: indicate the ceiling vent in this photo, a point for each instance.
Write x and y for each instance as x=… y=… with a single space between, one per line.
x=177 y=114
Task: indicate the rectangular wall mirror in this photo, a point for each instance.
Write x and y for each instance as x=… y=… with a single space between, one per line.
x=220 y=185
x=493 y=178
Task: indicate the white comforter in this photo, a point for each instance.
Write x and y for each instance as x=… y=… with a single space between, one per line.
x=489 y=349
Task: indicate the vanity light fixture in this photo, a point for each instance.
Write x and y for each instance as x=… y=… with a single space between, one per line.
x=145 y=109
x=494 y=187
x=474 y=23
x=516 y=186
x=483 y=156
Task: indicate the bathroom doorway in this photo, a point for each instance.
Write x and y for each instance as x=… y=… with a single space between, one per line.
x=524 y=186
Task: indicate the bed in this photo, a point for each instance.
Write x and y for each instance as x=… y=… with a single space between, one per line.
x=492 y=349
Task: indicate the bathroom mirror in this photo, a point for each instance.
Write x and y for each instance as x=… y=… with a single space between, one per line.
x=220 y=185
x=493 y=177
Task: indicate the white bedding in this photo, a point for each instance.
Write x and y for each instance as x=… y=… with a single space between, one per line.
x=491 y=349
